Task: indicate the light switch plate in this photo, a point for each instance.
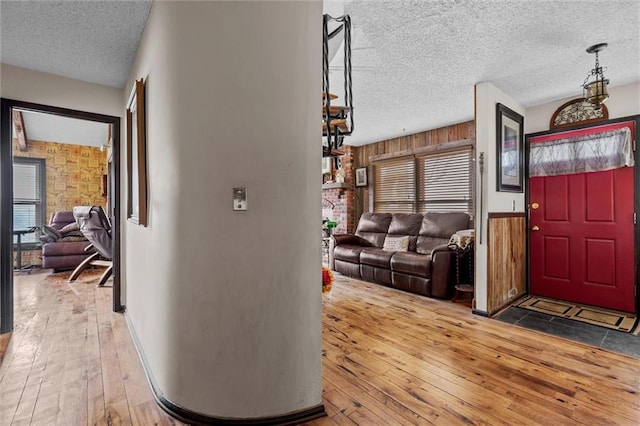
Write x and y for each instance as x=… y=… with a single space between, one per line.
x=239 y=199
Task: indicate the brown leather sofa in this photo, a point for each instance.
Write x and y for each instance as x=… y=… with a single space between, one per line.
x=424 y=268
x=65 y=253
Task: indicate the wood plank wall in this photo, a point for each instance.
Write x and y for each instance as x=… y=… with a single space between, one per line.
x=365 y=155
x=506 y=259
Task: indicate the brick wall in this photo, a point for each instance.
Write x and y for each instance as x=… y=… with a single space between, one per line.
x=343 y=198
x=73 y=177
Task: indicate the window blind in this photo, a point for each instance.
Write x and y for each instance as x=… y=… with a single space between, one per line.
x=444 y=182
x=28 y=195
x=394 y=185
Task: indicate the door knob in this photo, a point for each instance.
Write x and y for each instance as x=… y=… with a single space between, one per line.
x=535 y=228
x=535 y=206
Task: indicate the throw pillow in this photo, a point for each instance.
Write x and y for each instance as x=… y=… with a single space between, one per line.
x=70 y=228
x=396 y=243
x=52 y=232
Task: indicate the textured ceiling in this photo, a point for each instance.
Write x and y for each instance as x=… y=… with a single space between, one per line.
x=414 y=62
x=95 y=41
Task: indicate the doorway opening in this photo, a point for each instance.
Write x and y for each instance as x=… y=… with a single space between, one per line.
x=27 y=208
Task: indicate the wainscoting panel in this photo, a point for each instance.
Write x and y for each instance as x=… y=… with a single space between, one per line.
x=506 y=259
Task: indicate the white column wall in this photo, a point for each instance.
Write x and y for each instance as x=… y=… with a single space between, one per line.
x=487 y=96
x=227 y=305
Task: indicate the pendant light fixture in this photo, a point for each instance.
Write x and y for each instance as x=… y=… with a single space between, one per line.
x=595 y=92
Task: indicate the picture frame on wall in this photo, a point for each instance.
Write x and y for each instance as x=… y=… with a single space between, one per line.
x=509 y=149
x=361 y=176
x=136 y=156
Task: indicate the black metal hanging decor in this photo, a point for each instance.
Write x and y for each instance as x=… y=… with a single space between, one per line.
x=337 y=120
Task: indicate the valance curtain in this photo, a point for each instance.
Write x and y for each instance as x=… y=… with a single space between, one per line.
x=580 y=152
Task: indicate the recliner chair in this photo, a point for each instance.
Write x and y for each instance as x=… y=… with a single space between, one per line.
x=96 y=227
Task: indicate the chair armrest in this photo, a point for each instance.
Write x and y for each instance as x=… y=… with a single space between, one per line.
x=341 y=239
x=439 y=249
x=442 y=258
x=44 y=239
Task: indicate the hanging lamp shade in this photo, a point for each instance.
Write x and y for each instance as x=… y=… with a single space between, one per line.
x=595 y=92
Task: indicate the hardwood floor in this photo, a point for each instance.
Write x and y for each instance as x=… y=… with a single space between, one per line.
x=70 y=360
x=394 y=358
x=390 y=358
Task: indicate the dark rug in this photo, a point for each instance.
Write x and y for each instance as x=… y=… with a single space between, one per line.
x=601 y=337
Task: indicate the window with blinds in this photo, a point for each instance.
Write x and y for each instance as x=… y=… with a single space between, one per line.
x=434 y=182
x=394 y=185
x=444 y=182
x=28 y=195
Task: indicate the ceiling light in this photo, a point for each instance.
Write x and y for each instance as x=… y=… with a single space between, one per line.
x=595 y=92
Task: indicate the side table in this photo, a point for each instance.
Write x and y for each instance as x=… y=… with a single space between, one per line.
x=19 y=233
x=462 y=243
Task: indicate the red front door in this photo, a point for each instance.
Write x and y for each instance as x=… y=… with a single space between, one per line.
x=582 y=238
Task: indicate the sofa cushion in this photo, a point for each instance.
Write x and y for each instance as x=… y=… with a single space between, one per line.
x=376 y=257
x=424 y=245
x=437 y=228
x=396 y=243
x=443 y=225
x=348 y=253
x=61 y=218
x=406 y=224
x=412 y=264
x=373 y=227
x=64 y=249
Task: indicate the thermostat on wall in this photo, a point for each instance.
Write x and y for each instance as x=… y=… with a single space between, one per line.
x=239 y=198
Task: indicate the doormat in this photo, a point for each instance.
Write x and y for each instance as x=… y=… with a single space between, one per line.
x=615 y=320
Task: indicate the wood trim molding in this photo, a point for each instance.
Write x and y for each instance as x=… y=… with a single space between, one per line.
x=6 y=199
x=192 y=417
x=6 y=235
x=480 y=313
x=500 y=215
x=18 y=123
x=443 y=147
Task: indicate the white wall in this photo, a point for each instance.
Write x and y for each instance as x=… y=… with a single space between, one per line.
x=49 y=89
x=227 y=305
x=623 y=101
x=487 y=96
